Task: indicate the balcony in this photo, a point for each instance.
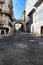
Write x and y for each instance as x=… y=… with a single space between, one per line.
x=3 y=11
x=38 y=3
x=6 y=11
x=2 y=1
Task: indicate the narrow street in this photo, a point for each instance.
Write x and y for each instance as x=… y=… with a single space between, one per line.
x=21 y=49
x=21 y=32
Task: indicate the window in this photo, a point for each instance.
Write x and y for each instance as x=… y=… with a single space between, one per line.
x=0 y=7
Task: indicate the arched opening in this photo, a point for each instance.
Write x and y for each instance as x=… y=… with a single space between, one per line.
x=21 y=28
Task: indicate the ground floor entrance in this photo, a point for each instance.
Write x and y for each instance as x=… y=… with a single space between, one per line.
x=42 y=30
x=4 y=30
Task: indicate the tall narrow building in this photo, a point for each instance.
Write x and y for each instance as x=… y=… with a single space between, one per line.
x=6 y=14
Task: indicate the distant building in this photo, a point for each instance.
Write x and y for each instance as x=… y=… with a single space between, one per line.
x=6 y=14
x=23 y=20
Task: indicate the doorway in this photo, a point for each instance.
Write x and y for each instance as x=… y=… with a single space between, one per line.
x=7 y=30
x=41 y=30
x=2 y=31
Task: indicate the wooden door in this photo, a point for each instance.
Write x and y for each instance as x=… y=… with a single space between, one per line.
x=42 y=30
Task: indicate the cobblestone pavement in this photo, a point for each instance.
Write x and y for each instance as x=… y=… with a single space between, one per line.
x=21 y=49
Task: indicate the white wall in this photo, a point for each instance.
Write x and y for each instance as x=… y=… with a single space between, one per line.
x=38 y=19
x=30 y=5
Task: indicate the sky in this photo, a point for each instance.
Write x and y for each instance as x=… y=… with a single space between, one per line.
x=18 y=8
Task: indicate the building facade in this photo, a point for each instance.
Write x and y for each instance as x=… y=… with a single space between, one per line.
x=6 y=14
x=37 y=26
x=29 y=13
x=23 y=18
x=34 y=11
